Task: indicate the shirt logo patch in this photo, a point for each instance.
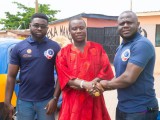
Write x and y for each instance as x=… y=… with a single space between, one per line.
x=27 y=54
x=125 y=55
x=29 y=51
x=49 y=53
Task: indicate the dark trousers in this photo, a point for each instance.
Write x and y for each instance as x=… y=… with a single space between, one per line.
x=147 y=115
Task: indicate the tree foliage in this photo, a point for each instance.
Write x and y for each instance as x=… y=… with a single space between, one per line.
x=21 y=19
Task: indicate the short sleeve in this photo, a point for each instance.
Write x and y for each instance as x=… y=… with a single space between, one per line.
x=141 y=53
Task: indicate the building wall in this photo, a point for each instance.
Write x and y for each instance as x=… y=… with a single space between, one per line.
x=8 y=34
x=149 y=24
x=100 y=23
x=59 y=31
x=17 y=34
x=2 y=35
x=149 y=19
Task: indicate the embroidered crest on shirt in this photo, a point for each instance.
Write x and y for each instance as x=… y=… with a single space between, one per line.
x=125 y=55
x=29 y=51
x=49 y=53
x=27 y=54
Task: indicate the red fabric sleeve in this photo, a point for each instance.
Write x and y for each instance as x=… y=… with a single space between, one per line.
x=64 y=74
x=106 y=70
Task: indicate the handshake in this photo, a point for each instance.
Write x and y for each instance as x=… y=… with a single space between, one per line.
x=95 y=87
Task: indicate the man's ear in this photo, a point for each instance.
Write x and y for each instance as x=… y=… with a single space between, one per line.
x=138 y=24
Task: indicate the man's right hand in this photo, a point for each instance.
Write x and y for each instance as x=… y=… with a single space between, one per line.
x=10 y=110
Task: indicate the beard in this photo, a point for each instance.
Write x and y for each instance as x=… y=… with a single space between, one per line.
x=37 y=35
x=129 y=37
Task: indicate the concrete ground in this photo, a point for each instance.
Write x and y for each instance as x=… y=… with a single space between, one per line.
x=111 y=98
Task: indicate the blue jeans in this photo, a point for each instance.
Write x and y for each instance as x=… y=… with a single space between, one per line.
x=148 y=115
x=158 y=118
x=27 y=110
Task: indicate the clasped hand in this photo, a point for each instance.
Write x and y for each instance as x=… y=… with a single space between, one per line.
x=94 y=88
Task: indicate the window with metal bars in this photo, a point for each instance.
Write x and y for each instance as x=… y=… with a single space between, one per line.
x=157 y=36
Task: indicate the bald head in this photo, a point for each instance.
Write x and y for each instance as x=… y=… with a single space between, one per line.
x=127 y=25
x=128 y=13
x=75 y=18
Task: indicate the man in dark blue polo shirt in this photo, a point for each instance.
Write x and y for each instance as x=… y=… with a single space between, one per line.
x=134 y=66
x=35 y=57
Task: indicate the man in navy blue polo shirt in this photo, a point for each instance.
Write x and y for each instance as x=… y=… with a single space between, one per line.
x=134 y=66
x=35 y=57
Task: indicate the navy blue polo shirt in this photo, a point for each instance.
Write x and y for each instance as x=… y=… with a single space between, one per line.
x=37 y=63
x=141 y=94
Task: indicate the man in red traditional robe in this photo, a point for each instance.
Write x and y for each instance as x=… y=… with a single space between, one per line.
x=80 y=66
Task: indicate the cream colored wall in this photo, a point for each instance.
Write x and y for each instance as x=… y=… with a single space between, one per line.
x=157 y=69
x=151 y=30
x=59 y=32
x=149 y=19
